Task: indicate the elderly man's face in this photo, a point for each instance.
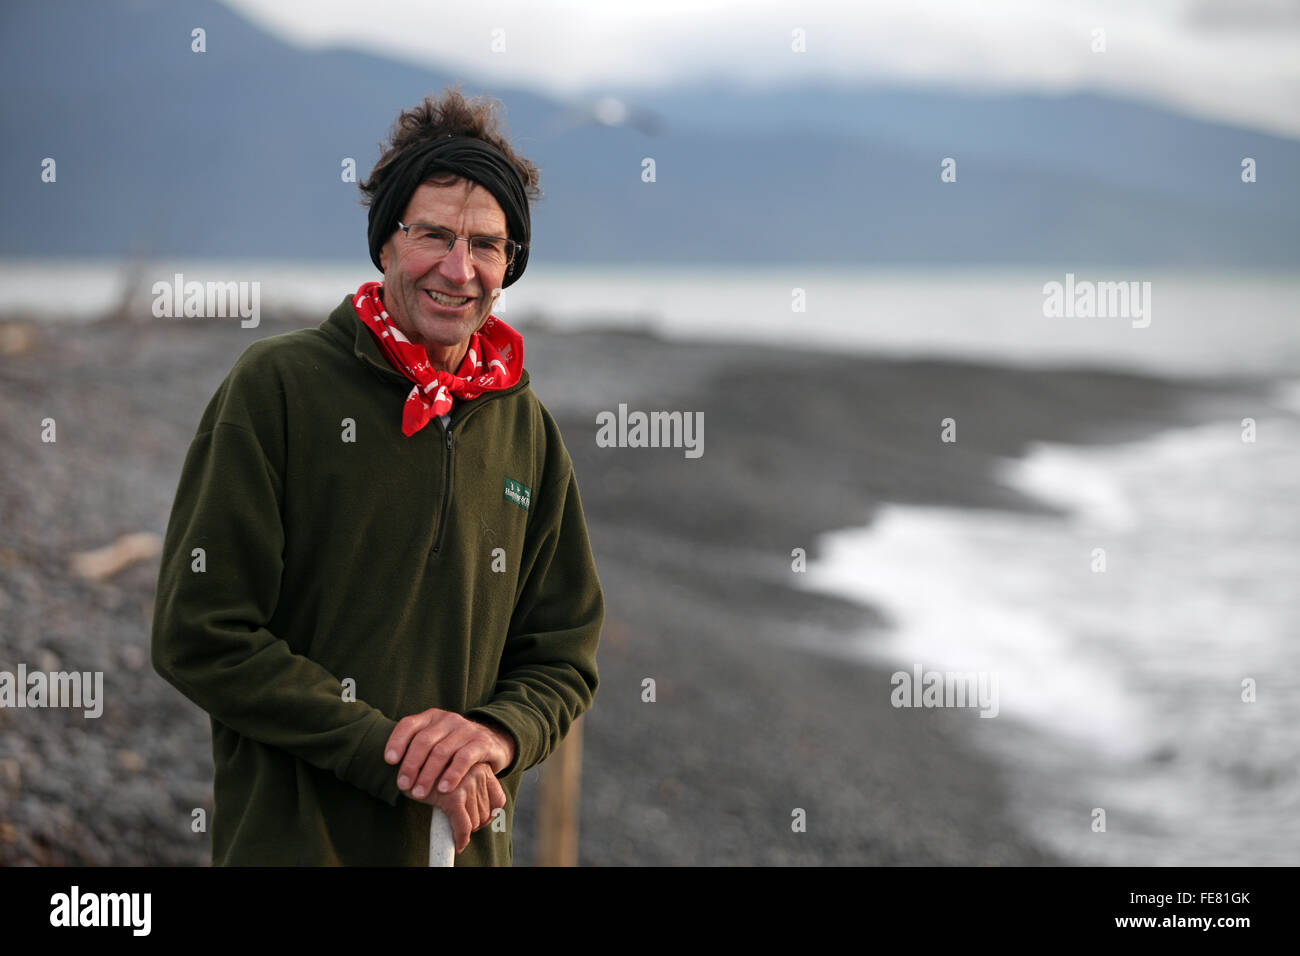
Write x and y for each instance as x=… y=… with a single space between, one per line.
x=411 y=275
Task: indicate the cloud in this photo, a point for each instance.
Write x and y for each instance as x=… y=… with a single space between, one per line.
x=1234 y=60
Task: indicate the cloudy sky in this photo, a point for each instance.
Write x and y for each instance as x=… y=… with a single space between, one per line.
x=1236 y=60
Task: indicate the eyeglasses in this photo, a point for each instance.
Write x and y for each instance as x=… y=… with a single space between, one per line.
x=435 y=241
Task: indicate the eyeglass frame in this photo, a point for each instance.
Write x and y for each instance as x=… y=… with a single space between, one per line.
x=514 y=244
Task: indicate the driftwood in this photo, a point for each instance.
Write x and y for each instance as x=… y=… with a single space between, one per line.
x=102 y=563
x=16 y=338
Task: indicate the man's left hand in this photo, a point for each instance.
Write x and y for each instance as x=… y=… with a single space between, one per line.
x=438 y=743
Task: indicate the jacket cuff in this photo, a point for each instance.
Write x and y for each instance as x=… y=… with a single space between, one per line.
x=368 y=768
x=520 y=725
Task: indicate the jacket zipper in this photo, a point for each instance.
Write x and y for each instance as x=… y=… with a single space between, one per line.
x=446 y=490
x=447 y=464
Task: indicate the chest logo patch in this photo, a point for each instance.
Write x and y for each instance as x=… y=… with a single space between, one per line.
x=518 y=493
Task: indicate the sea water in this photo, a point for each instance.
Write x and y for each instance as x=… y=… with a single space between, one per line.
x=1201 y=322
x=1161 y=687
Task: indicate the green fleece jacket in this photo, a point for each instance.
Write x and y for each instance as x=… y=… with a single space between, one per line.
x=324 y=576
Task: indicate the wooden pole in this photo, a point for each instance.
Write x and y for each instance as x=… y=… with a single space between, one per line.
x=442 y=842
x=557 y=812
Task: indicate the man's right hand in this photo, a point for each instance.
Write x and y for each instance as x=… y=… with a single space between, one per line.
x=470 y=806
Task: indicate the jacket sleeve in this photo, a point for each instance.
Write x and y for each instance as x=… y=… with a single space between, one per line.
x=547 y=677
x=210 y=636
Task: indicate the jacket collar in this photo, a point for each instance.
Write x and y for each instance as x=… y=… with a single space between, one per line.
x=345 y=328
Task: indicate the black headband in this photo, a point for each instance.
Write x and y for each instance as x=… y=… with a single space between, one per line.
x=467 y=156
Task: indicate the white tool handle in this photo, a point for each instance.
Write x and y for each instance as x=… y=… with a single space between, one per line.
x=442 y=845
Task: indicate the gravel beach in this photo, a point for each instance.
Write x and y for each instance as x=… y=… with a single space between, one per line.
x=749 y=723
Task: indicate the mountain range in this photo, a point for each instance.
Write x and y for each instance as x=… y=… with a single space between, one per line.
x=237 y=151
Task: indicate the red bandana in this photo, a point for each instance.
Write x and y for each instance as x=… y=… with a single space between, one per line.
x=494 y=361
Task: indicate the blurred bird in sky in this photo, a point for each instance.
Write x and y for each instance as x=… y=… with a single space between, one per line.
x=609 y=111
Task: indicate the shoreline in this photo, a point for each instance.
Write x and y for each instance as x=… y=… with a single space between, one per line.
x=864 y=434
x=694 y=554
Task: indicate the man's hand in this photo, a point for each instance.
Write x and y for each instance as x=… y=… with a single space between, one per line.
x=470 y=806
x=438 y=743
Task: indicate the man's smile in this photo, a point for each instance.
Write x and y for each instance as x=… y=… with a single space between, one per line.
x=450 y=303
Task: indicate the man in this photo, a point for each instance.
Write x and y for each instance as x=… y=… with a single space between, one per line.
x=377 y=576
